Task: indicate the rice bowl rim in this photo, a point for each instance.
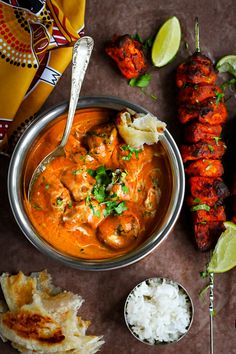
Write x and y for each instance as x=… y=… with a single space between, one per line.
x=159 y=281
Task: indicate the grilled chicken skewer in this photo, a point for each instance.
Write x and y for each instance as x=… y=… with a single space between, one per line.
x=202 y=111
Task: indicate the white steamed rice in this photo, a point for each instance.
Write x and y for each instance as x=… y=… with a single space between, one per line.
x=158 y=311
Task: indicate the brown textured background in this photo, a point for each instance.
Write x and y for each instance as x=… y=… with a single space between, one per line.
x=176 y=258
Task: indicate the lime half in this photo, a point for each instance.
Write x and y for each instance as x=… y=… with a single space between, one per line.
x=167 y=42
x=227 y=64
x=224 y=255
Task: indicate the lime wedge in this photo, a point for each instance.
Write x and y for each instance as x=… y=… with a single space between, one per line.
x=224 y=255
x=167 y=42
x=227 y=64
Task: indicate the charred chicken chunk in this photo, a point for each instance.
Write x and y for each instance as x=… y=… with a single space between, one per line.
x=198 y=132
x=205 y=168
x=208 y=112
x=203 y=150
x=197 y=93
x=128 y=55
x=213 y=215
x=206 y=235
x=197 y=70
x=208 y=190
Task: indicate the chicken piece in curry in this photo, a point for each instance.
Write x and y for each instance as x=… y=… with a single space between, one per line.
x=102 y=199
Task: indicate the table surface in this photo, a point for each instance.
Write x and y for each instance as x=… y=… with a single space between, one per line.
x=176 y=257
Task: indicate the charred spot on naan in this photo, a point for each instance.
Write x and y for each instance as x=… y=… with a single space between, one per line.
x=33 y=326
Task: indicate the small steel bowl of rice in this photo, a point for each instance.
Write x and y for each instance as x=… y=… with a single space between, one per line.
x=158 y=311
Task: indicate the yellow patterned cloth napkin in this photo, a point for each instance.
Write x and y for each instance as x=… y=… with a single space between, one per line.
x=36 y=39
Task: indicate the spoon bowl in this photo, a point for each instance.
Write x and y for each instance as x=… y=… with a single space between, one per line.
x=81 y=54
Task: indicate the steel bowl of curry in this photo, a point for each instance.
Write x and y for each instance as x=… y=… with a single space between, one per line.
x=103 y=205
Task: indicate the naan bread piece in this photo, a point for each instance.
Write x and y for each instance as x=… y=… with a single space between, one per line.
x=44 y=283
x=43 y=329
x=138 y=129
x=89 y=347
x=17 y=289
x=45 y=319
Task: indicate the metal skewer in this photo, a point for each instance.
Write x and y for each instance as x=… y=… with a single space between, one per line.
x=211 y=311
x=211 y=275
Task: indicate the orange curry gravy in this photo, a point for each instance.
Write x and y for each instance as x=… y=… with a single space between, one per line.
x=100 y=200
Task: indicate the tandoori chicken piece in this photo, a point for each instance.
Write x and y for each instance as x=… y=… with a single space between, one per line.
x=203 y=150
x=206 y=235
x=197 y=93
x=208 y=190
x=204 y=216
x=197 y=70
x=199 y=132
x=208 y=111
x=128 y=55
x=205 y=168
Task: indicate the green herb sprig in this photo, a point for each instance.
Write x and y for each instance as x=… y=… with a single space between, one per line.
x=131 y=151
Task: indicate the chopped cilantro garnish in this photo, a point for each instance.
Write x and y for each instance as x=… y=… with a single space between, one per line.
x=77 y=172
x=70 y=204
x=114 y=207
x=105 y=178
x=209 y=167
x=201 y=207
x=59 y=201
x=141 y=81
x=125 y=189
x=217 y=138
x=148 y=42
x=47 y=186
x=137 y=37
x=210 y=147
x=36 y=206
x=197 y=200
x=219 y=96
x=131 y=151
x=204 y=274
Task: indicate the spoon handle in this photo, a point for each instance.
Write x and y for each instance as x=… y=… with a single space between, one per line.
x=81 y=54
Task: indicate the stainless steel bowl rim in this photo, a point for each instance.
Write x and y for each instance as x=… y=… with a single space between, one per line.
x=168 y=280
x=14 y=187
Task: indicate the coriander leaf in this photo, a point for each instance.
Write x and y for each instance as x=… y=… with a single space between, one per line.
x=219 y=96
x=125 y=189
x=200 y=207
x=99 y=193
x=131 y=151
x=210 y=147
x=209 y=167
x=137 y=37
x=36 y=206
x=197 y=200
x=70 y=204
x=59 y=201
x=204 y=274
x=120 y=208
x=77 y=172
x=141 y=81
x=148 y=42
x=154 y=97
x=217 y=138
x=97 y=213
x=47 y=186
x=91 y=172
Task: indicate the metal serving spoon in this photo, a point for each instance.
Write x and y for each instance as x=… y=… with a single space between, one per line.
x=81 y=54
